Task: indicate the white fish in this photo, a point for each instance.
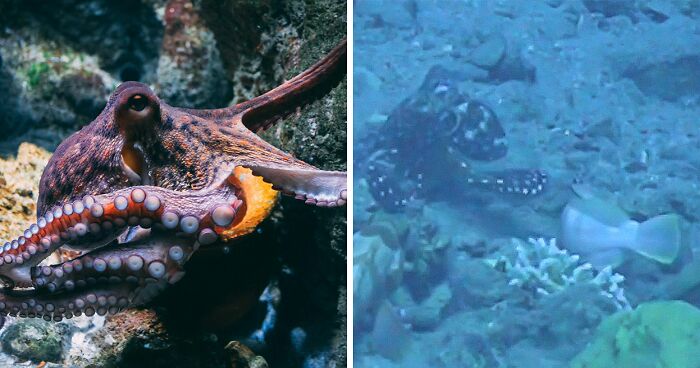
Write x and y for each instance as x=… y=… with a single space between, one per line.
x=602 y=233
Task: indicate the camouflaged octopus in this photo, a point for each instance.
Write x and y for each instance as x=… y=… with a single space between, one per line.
x=144 y=185
x=429 y=142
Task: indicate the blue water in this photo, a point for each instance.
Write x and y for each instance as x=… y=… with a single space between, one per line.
x=512 y=159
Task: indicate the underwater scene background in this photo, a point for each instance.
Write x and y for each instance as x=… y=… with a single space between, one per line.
x=274 y=298
x=526 y=183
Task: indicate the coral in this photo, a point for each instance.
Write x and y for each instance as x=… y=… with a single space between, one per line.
x=655 y=334
x=377 y=271
x=540 y=267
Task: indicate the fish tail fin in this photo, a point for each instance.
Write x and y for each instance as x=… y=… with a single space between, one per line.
x=659 y=238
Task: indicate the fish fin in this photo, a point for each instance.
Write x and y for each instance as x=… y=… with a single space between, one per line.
x=659 y=238
x=584 y=191
x=606 y=258
x=604 y=212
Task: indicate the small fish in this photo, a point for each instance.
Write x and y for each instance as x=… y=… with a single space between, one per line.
x=604 y=234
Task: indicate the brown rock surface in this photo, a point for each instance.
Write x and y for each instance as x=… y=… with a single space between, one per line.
x=19 y=187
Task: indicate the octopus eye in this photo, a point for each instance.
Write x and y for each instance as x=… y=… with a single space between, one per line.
x=138 y=103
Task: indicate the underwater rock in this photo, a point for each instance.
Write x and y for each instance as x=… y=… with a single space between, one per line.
x=377 y=271
x=389 y=337
x=366 y=81
x=46 y=85
x=657 y=11
x=242 y=357
x=473 y=282
x=655 y=334
x=83 y=93
x=318 y=136
x=428 y=313
x=34 y=339
x=611 y=8
x=683 y=285
x=14 y=115
x=674 y=80
x=190 y=71
x=489 y=54
x=121 y=34
x=19 y=186
x=134 y=336
x=363 y=203
x=392 y=228
x=689 y=8
x=465 y=349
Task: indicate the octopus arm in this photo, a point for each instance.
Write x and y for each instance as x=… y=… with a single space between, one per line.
x=286 y=173
x=263 y=111
x=96 y=220
x=106 y=281
x=318 y=187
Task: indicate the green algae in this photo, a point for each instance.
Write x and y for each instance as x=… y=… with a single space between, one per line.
x=36 y=73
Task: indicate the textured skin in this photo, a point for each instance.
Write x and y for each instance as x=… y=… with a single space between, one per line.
x=187 y=146
x=431 y=141
x=154 y=183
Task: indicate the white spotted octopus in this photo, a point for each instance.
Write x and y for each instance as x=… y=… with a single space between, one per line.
x=426 y=147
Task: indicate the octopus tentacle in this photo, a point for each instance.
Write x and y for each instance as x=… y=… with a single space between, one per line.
x=313 y=186
x=104 y=281
x=263 y=111
x=99 y=219
x=286 y=173
x=33 y=304
x=132 y=263
x=515 y=181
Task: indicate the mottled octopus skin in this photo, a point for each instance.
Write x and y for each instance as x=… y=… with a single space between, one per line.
x=430 y=142
x=144 y=185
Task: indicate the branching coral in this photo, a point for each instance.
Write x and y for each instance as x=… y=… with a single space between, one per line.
x=538 y=265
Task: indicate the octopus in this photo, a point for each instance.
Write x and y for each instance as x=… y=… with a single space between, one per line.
x=135 y=193
x=429 y=141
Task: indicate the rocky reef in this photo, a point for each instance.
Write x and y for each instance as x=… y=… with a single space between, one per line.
x=59 y=63
x=464 y=273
